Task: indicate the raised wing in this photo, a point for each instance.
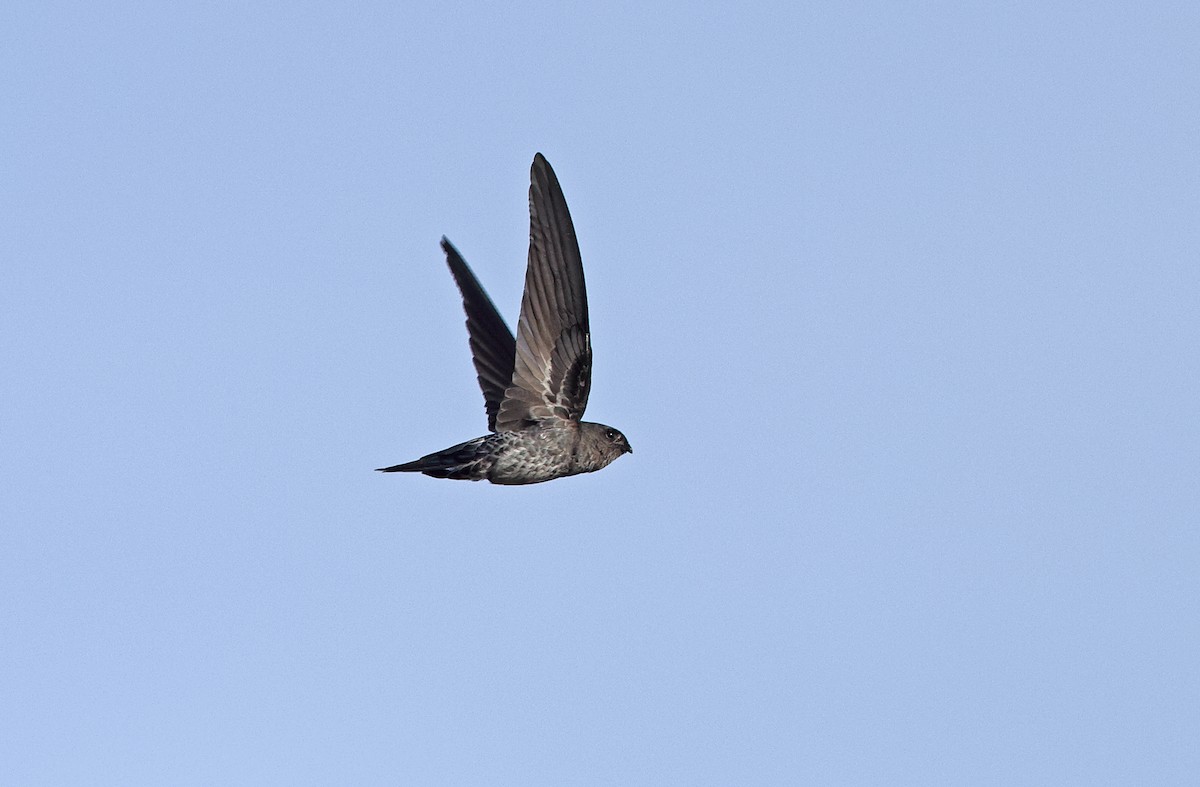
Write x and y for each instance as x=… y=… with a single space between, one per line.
x=492 y=345
x=553 y=370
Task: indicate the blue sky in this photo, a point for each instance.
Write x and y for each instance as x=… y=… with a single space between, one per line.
x=897 y=304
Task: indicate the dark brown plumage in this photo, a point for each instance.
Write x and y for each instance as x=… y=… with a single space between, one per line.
x=535 y=386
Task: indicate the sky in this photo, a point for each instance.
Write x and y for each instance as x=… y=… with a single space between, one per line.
x=896 y=303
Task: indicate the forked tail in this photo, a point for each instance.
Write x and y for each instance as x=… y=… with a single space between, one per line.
x=468 y=461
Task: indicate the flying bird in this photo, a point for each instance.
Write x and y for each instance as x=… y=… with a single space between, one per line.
x=535 y=386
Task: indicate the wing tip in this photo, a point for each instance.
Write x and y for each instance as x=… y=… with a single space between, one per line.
x=540 y=166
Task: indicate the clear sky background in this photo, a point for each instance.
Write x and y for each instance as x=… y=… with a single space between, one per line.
x=896 y=302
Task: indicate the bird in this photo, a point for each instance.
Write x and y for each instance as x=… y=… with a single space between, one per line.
x=535 y=385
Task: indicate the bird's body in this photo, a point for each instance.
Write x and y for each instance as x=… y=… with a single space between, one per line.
x=535 y=385
x=535 y=454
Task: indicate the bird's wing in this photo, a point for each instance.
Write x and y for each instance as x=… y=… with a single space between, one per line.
x=553 y=370
x=492 y=345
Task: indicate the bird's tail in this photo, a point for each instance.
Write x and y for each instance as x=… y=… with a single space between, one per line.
x=465 y=461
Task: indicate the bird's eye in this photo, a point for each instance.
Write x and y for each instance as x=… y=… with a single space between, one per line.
x=611 y=434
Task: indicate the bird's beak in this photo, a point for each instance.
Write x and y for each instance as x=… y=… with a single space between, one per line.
x=628 y=448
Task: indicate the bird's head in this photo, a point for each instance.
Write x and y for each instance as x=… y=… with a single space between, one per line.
x=606 y=441
x=618 y=440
